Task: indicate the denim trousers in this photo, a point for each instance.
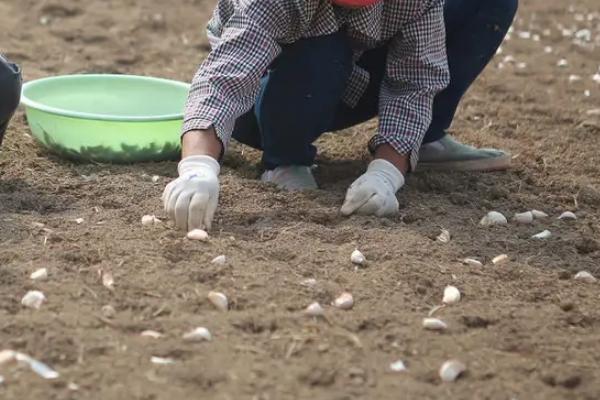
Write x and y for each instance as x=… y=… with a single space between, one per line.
x=284 y=122
x=10 y=92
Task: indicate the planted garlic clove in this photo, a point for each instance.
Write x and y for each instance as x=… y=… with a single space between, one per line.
x=151 y=334
x=523 y=218
x=149 y=220
x=493 y=218
x=198 y=335
x=314 y=310
x=537 y=214
x=567 y=215
x=398 y=366
x=451 y=295
x=358 y=258
x=162 y=361
x=40 y=274
x=434 y=324
x=344 y=302
x=309 y=282
x=107 y=279
x=109 y=311
x=198 y=234
x=444 y=237
x=452 y=370
x=472 y=262
x=155 y=178
x=585 y=276
x=499 y=259
x=79 y=221
x=219 y=260
x=542 y=235
x=219 y=300
x=33 y=299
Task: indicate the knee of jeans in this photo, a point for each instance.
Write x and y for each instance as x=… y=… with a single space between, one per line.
x=502 y=11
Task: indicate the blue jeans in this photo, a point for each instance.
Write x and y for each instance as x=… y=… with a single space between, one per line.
x=284 y=121
x=10 y=92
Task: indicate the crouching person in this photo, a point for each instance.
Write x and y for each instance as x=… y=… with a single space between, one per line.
x=283 y=72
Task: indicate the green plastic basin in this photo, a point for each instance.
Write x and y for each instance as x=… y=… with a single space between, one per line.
x=107 y=118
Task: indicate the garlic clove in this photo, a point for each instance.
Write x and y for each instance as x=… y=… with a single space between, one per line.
x=585 y=276
x=358 y=258
x=568 y=215
x=107 y=279
x=452 y=370
x=537 y=214
x=524 y=218
x=33 y=299
x=344 y=302
x=398 y=366
x=499 y=259
x=162 y=361
x=314 y=310
x=472 y=262
x=79 y=221
x=434 y=324
x=219 y=260
x=40 y=274
x=108 y=311
x=309 y=282
x=155 y=178
x=151 y=334
x=542 y=235
x=149 y=220
x=444 y=237
x=219 y=300
x=493 y=218
x=199 y=334
x=451 y=295
x=198 y=234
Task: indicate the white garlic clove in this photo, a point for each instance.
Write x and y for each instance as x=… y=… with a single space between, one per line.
x=585 y=276
x=107 y=279
x=493 y=218
x=150 y=220
x=162 y=361
x=523 y=218
x=151 y=334
x=451 y=295
x=444 y=237
x=472 y=262
x=40 y=274
x=219 y=300
x=314 y=310
x=79 y=221
x=198 y=234
x=568 y=215
x=33 y=299
x=398 y=366
x=155 y=178
x=198 y=335
x=499 y=259
x=358 y=258
x=219 y=260
x=452 y=370
x=309 y=282
x=108 y=311
x=542 y=235
x=434 y=324
x=344 y=302
x=537 y=214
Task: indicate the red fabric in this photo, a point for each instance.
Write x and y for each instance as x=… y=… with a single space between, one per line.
x=355 y=3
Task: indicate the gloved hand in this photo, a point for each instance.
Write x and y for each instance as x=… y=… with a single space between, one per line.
x=191 y=200
x=374 y=192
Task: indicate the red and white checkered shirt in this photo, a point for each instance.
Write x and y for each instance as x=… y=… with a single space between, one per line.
x=246 y=37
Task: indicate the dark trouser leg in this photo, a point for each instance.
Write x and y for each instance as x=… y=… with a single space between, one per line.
x=10 y=92
x=297 y=100
x=475 y=29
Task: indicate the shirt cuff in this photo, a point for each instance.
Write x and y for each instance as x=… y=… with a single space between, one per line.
x=401 y=146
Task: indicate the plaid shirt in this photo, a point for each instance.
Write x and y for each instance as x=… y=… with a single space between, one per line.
x=246 y=37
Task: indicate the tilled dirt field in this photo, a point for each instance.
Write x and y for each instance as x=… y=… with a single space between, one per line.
x=525 y=328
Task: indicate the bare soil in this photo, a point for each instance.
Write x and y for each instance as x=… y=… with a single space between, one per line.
x=525 y=329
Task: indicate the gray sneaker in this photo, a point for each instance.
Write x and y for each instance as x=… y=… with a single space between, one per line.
x=450 y=155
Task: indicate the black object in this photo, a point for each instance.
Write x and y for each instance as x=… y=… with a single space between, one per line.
x=10 y=92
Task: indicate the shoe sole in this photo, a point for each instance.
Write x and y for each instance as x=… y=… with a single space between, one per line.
x=501 y=163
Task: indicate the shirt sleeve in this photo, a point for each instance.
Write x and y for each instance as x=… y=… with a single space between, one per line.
x=417 y=69
x=227 y=82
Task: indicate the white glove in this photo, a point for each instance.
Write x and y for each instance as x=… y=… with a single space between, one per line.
x=191 y=200
x=374 y=192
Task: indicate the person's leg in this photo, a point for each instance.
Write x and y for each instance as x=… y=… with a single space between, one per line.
x=475 y=29
x=10 y=89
